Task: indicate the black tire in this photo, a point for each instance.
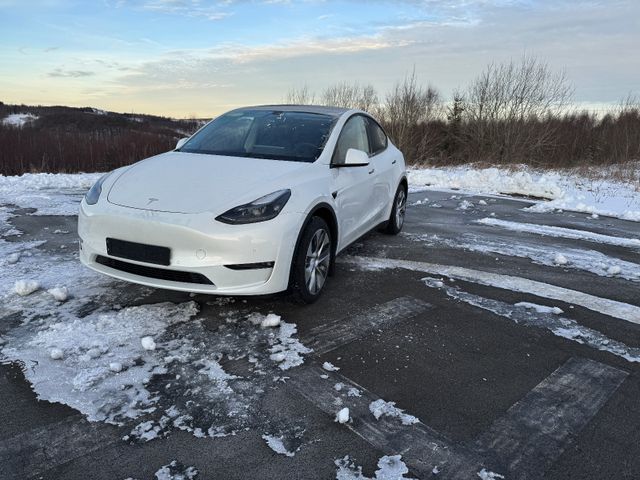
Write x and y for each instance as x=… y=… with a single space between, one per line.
x=302 y=287
x=395 y=222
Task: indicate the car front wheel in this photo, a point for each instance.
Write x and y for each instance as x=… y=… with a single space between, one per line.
x=311 y=261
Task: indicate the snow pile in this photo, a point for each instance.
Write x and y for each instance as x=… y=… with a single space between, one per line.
x=488 y=180
x=330 y=367
x=48 y=193
x=564 y=190
x=26 y=287
x=342 y=416
x=389 y=468
x=18 y=120
x=379 y=408
x=59 y=293
x=176 y=471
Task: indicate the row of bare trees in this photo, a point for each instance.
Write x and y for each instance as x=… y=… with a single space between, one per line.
x=514 y=112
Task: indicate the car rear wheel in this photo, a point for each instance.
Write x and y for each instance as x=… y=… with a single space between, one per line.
x=312 y=261
x=396 y=219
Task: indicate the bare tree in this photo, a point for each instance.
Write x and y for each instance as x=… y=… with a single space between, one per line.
x=350 y=95
x=505 y=99
x=300 y=96
x=407 y=109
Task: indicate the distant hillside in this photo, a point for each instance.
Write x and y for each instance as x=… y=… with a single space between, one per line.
x=67 y=139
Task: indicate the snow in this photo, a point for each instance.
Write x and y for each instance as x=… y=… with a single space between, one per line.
x=560 y=190
x=613 y=308
x=523 y=314
x=59 y=293
x=543 y=254
x=26 y=287
x=342 y=416
x=148 y=343
x=540 y=308
x=379 y=408
x=176 y=471
x=19 y=120
x=330 y=367
x=48 y=193
x=271 y=320
x=276 y=444
x=562 y=232
x=56 y=354
x=488 y=475
x=560 y=259
x=389 y=468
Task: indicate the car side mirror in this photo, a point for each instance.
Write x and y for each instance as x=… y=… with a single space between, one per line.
x=356 y=158
x=181 y=142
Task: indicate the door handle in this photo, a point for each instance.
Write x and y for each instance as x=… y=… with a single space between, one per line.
x=371 y=171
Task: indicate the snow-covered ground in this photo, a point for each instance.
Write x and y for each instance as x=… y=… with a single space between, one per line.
x=558 y=190
x=18 y=119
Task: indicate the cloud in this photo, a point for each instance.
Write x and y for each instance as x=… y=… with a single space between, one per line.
x=60 y=73
x=188 y=8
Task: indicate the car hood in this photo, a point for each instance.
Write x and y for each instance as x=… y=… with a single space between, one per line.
x=179 y=182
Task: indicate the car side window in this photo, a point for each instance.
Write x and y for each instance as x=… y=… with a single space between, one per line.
x=353 y=135
x=377 y=137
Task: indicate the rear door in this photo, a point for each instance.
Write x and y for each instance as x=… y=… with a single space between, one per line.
x=383 y=164
x=352 y=185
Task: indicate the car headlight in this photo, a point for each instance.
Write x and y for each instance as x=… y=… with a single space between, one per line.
x=260 y=210
x=92 y=196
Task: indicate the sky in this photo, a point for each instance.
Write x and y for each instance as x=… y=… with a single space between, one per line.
x=186 y=58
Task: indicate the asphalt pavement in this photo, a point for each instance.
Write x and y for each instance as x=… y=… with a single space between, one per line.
x=517 y=390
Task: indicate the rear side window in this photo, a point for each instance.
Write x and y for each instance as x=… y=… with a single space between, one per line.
x=377 y=137
x=353 y=135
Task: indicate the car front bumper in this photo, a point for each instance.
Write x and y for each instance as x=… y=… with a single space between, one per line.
x=199 y=245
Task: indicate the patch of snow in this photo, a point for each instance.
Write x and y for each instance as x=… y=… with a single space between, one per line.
x=389 y=468
x=523 y=315
x=19 y=120
x=148 y=343
x=342 y=416
x=379 y=408
x=540 y=308
x=26 y=287
x=276 y=444
x=551 y=231
x=563 y=190
x=330 y=367
x=56 y=354
x=465 y=205
x=482 y=202
x=48 y=193
x=286 y=345
x=13 y=258
x=588 y=260
x=176 y=471
x=560 y=259
x=59 y=293
x=270 y=321
x=488 y=475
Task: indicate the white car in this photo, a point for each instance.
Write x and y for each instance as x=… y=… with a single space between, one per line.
x=260 y=200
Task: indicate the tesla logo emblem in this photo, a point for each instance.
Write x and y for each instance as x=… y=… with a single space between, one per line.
x=151 y=200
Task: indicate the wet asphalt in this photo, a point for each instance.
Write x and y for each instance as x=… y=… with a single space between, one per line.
x=456 y=367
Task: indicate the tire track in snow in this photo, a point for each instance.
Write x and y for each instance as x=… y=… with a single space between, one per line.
x=612 y=308
x=570 y=233
x=539 y=318
x=586 y=260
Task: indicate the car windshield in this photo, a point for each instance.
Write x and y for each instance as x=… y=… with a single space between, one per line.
x=268 y=134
